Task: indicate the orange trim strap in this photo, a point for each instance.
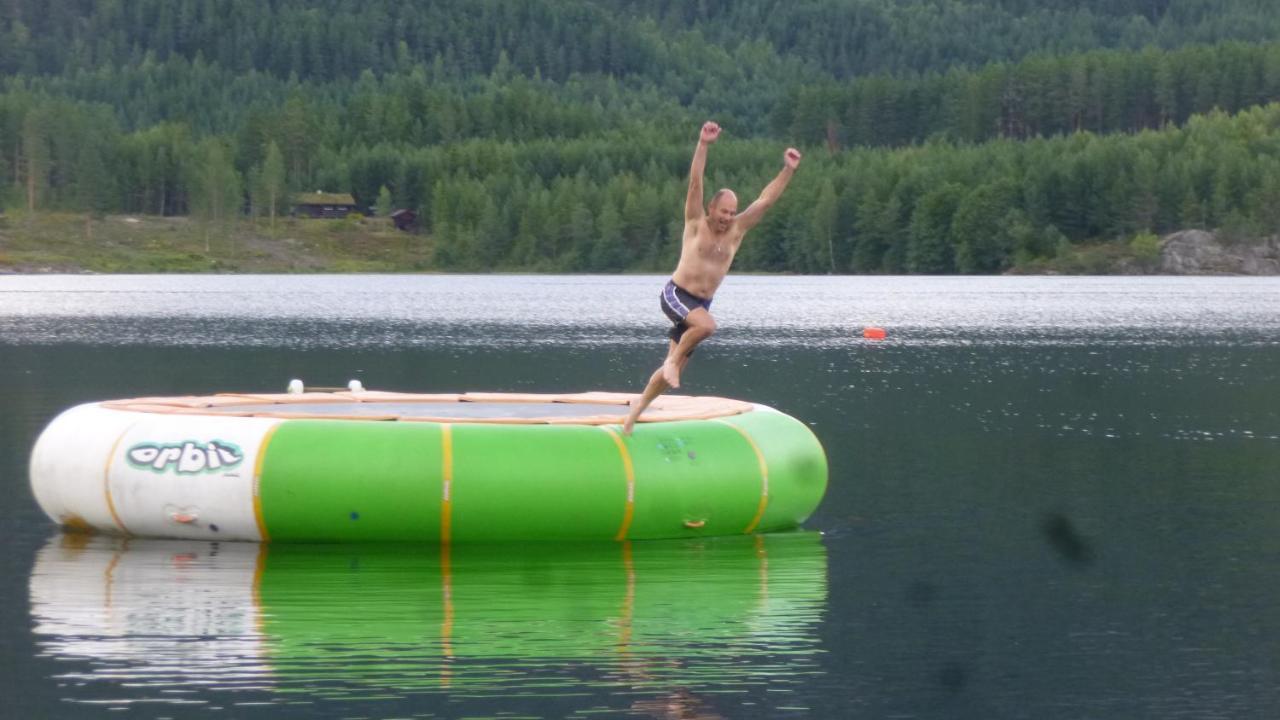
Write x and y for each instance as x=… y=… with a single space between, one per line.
x=446 y=622
x=110 y=574
x=446 y=500
x=627 y=616
x=629 y=467
x=259 y=567
x=106 y=482
x=258 y=518
x=764 y=478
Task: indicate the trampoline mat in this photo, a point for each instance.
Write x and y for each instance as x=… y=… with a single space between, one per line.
x=590 y=408
x=469 y=410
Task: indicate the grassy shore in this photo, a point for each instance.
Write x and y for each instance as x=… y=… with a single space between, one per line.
x=76 y=243
x=64 y=242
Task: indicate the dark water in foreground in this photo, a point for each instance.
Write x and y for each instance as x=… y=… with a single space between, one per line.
x=1050 y=498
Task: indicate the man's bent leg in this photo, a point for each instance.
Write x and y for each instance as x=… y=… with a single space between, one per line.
x=656 y=386
x=701 y=327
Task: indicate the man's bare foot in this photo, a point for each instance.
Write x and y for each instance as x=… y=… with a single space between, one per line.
x=629 y=425
x=671 y=373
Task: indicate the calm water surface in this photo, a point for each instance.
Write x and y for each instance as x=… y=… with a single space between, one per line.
x=1050 y=498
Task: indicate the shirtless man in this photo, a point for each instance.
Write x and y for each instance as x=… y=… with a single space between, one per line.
x=711 y=239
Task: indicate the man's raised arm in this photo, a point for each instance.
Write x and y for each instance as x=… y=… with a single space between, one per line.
x=748 y=218
x=693 y=201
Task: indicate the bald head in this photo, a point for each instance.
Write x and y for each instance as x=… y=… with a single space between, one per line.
x=722 y=209
x=723 y=195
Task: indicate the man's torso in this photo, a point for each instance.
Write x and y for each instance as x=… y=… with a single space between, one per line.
x=705 y=257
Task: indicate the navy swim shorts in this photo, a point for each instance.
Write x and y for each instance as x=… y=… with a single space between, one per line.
x=677 y=303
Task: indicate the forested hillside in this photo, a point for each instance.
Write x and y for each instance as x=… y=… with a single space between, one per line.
x=941 y=135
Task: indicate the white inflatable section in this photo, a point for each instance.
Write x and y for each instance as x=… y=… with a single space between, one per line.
x=160 y=475
x=69 y=465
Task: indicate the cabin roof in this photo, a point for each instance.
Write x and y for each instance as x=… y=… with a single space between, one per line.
x=323 y=198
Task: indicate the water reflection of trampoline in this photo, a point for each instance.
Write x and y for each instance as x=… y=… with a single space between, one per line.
x=368 y=465
x=155 y=620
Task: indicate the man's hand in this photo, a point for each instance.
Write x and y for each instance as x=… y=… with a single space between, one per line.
x=792 y=158
x=710 y=131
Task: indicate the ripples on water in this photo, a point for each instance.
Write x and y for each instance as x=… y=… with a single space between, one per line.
x=406 y=311
x=1050 y=498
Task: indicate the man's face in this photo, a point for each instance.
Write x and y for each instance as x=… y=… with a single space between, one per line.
x=722 y=211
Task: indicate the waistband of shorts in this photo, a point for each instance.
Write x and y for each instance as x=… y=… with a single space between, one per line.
x=672 y=283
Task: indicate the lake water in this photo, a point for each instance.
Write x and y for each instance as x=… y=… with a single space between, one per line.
x=1049 y=498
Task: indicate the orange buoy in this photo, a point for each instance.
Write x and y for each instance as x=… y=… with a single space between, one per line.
x=873 y=333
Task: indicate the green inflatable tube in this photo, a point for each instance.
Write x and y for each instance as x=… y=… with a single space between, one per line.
x=325 y=480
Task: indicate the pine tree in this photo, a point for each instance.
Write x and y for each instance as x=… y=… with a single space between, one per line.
x=877 y=228
x=929 y=244
x=826 y=213
x=35 y=156
x=383 y=207
x=607 y=250
x=1191 y=213
x=985 y=228
x=1146 y=202
x=582 y=232
x=216 y=189
x=271 y=182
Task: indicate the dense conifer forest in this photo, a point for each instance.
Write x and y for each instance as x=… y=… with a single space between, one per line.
x=940 y=136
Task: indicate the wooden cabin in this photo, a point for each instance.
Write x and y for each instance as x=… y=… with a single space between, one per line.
x=406 y=220
x=324 y=205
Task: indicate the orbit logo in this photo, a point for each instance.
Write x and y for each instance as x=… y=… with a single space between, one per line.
x=189 y=457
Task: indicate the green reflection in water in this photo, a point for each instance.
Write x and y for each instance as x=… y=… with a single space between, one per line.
x=727 y=610
x=662 y=618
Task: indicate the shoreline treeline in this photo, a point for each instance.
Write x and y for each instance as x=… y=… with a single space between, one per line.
x=969 y=155
x=606 y=203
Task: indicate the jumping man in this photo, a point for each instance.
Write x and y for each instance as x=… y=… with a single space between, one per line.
x=711 y=239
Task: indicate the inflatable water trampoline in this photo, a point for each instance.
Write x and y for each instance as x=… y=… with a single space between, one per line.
x=381 y=466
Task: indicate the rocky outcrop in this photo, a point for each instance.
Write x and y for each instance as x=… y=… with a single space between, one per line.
x=1199 y=252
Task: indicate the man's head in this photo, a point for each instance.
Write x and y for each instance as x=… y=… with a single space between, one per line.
x=722 y=209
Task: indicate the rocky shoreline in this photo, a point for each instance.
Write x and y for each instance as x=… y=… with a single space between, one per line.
x=1200 y=252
